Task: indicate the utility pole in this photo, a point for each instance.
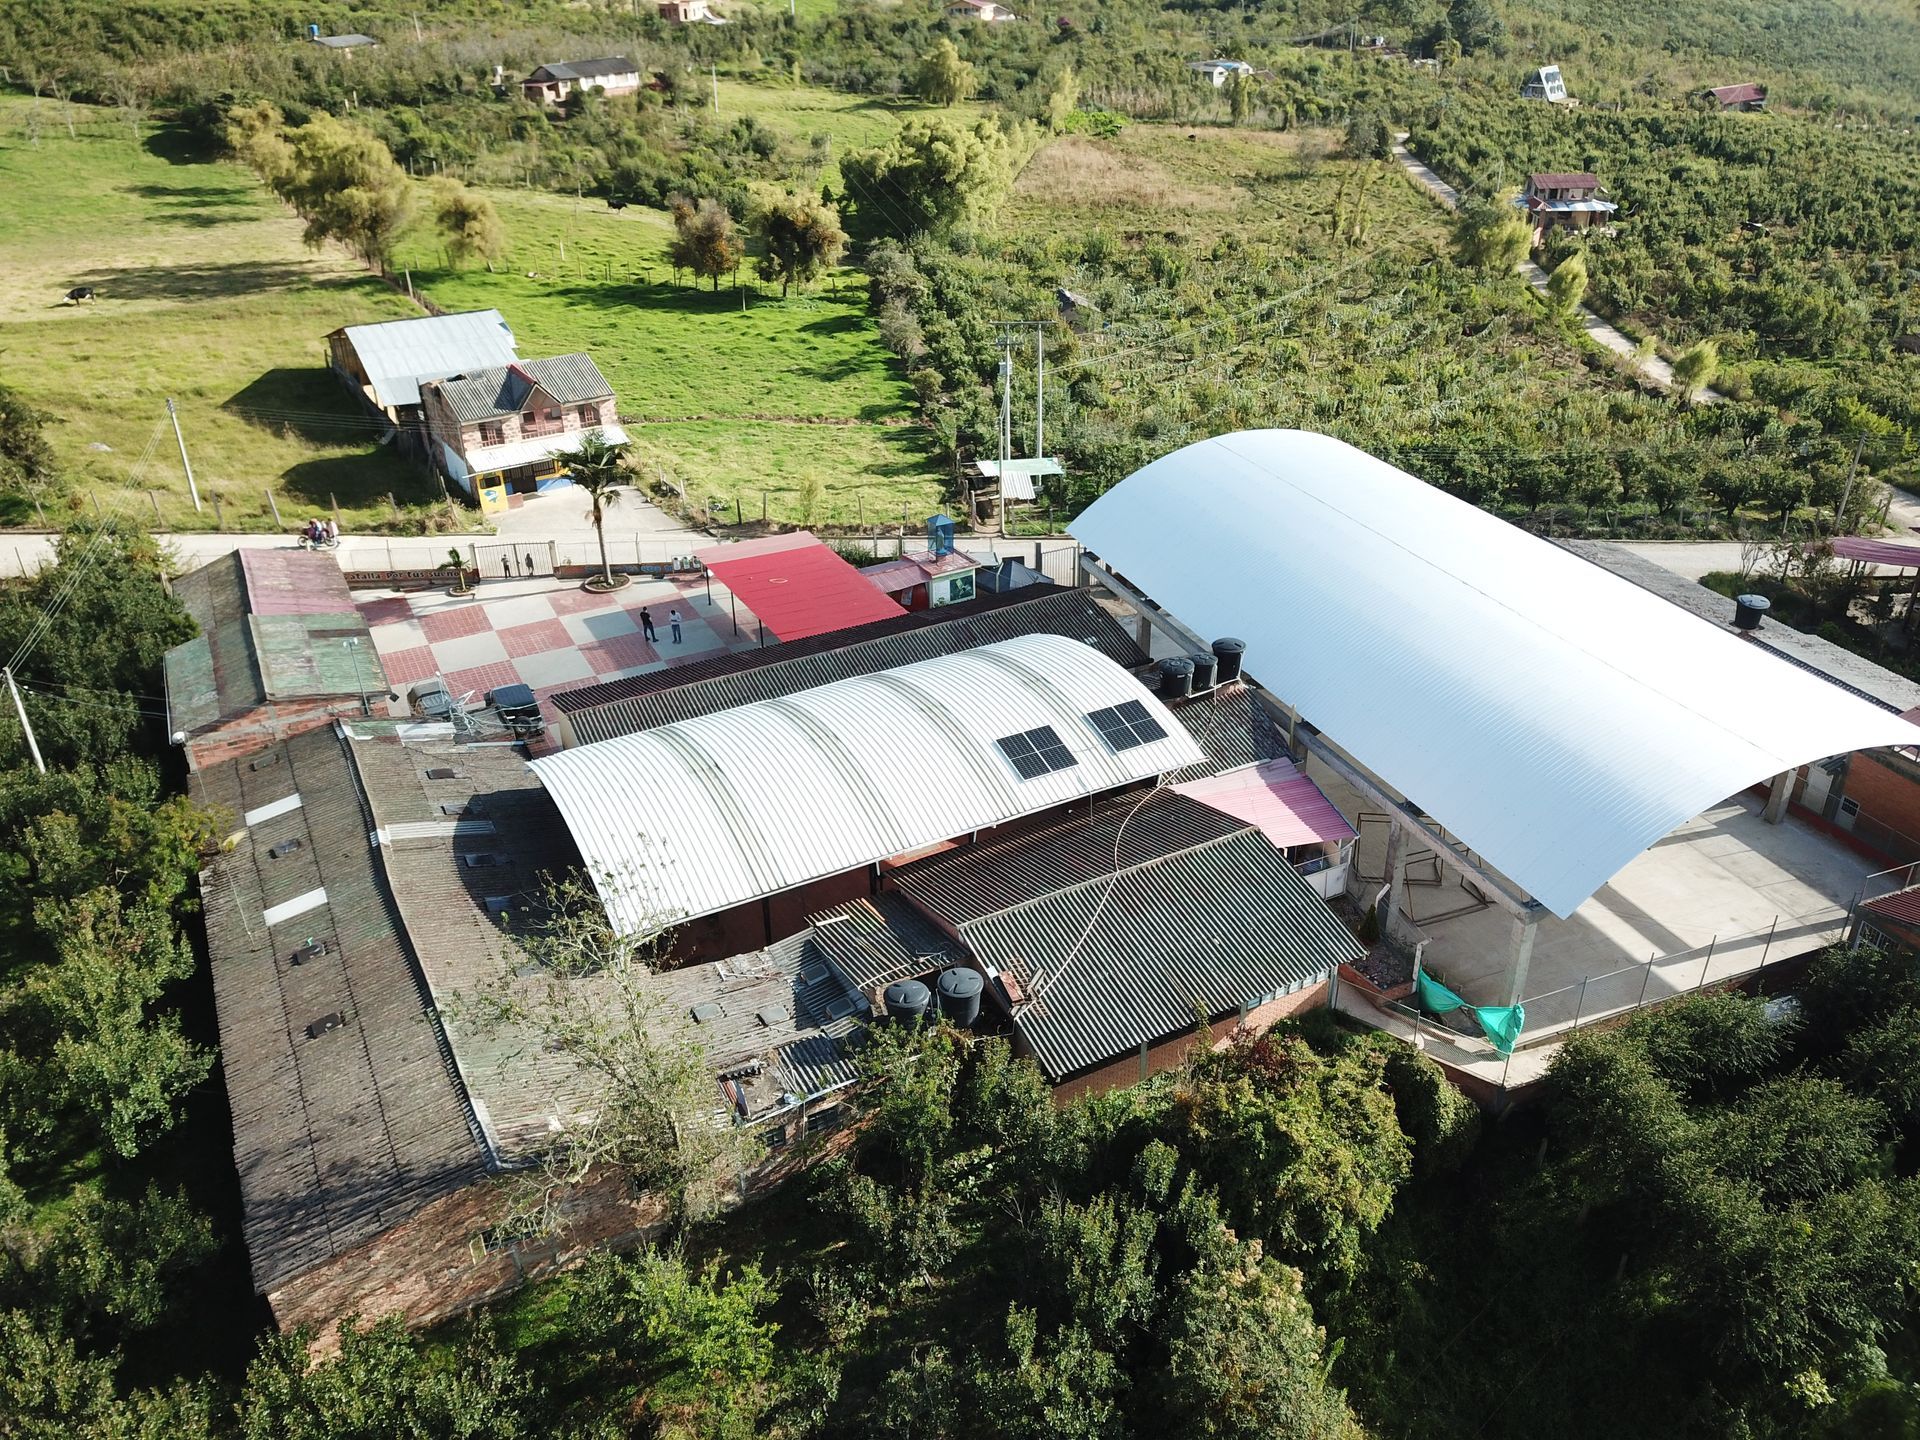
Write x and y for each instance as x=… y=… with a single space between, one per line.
x=1846 y=494
x=33 y=745
x=416 y=30
x=1040 y=391
x=185 y=464
x=713 y=71
x=1006 y=424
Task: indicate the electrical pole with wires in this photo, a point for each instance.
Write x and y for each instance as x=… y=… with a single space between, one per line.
x=1006 y=426
x=185 y=464
x=26 y=725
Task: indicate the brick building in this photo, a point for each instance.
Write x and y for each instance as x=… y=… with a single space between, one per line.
x=515 y=424
x=281 y=651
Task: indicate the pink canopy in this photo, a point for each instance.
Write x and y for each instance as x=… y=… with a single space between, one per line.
x=1877 y=552
x=1288 y=807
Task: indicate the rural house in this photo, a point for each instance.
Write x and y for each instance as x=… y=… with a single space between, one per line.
x=554 y=82
x=1737 y=97
x=1546 y=84
x=1570 y=199
x=345 y=44
x=384 y=364
x=1216 y=72
x=514 y=422
x=690 y=12
x=979 y=10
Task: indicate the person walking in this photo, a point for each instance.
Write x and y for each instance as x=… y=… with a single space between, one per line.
x=673 y=620
x=646 y=624
x=506 y=567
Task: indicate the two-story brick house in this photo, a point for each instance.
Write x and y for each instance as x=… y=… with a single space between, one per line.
x=515 y=424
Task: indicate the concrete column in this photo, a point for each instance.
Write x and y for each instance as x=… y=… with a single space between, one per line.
x=1143 y=632
x=1777 y=798
x=1525 y=927
x=1396 y=906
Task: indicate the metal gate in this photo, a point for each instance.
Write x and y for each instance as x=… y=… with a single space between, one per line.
x=513 y=562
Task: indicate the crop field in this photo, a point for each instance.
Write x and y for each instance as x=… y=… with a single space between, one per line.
x=207 y=296
x=727 y=394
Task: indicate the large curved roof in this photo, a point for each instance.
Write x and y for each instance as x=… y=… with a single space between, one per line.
x=703 y=814
x=1555 y=718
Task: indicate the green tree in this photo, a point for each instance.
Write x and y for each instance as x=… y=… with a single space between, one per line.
x=1695 y=370
x=941 y=77
x=1368 y=137
x=342 y=181
x=26 y=459
x=704 y=239
x=1567 y=285
x=599 y=467
x=799 y=238
x=385 y=1383
x=930 y=176
x=471 y=224
x=1488 y=236
x=1475 y=25
x=1447 y=52
x=1063 y=98
x=1242 y=89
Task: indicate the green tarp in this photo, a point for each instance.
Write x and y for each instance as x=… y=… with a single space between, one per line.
x=1502 y=1023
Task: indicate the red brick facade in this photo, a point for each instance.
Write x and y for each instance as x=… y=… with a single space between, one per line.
x=264 y=726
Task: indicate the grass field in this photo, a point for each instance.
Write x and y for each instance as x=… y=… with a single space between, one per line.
x=206 y=295
x=725 y=398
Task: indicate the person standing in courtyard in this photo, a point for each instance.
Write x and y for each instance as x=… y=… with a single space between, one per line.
x=646 y=624
x=673 y=621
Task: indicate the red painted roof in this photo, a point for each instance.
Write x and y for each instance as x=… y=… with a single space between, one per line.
x=1900 y=906
x=1876 y=552
x=1565 y=180
x=895 y=575
x=294 y=582
x=1738 y=94
x=1287 y=806
x=796 y=586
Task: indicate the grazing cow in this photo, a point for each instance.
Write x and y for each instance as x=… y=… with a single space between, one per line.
x=79 y=293
x=613 y=204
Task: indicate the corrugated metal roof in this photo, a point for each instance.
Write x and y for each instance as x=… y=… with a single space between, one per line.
x=585 y=69
x=873 y=943
x=684 y=692
x=894 y=576
x=1231 y=728
x=398 y=354
x=341 y=1136
x=1900 y=906
x=503 y=389
x=704 y=814
x=1556 y=718
x=1287 y=806
x=796 y=586
x=541 y=447
x=1213 y=928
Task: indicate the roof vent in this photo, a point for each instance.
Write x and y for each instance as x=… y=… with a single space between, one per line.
x=1228 y=655
x=479 y=862
x=325 y=1023
x=265 y=762
x=773 y=1015
x=1749 y=611
x=312 y=950
x=283 y=849
x=708 y=1011
x=443 y=772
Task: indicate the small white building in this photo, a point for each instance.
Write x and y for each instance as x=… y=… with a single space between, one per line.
x=1546 y=84
x=1216 y=72
x=979 y=10
x=689 y=12
x=554 y=82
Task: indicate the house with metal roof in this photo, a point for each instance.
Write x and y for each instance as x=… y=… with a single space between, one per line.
x=513 y=425
x=1497 y=709
x=823 y=786
x=384 y=364
x=1570 y=201
x=553 y=82
x=1746 y=96
x=1546 y=84
x=281 y=650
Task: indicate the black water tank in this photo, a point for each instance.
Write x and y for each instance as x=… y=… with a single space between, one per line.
x=960 y=994
x=1203 y=672
x=1176 y=678
x=1229 y=652
x=908 y=1000
x=1749 y=611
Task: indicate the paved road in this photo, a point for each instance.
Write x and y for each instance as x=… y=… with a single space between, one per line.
x=1653 y=368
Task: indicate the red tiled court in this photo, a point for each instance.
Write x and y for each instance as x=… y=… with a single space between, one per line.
x=403 y=667
x=451 y=624
x=532 y=639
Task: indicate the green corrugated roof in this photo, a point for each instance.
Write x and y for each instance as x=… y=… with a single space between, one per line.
x=303 y=655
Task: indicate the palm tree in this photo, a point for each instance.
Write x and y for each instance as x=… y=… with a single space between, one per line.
x=599 y=468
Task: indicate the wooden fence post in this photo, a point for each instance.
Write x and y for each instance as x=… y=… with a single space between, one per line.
x=219 y=517
x=274 y=505
x=158 y=518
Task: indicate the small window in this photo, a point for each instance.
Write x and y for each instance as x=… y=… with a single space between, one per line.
x=1036 y=752
x=827 y=1119
x=1849 y=807
x=1874 y=936
x=494 y=434
x=528 y=418
x=553 y=415
x=1126 y=726
x=589 y=415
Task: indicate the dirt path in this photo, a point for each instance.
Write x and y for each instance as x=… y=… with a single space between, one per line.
x=1652 y=369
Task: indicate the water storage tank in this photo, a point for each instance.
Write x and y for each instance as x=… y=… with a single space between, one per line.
x=960 y=994
x=1176 y=678
x=940 y=530
x=1203 y=672
x=908 y=1001
x=1749 y=611
x=1229 y=653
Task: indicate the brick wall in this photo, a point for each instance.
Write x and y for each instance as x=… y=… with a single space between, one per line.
x=261 y=728
x=1888 y=790
x=1168 y=1054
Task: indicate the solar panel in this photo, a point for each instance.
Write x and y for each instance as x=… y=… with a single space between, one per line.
x=1127 y=725
x=1034 y=753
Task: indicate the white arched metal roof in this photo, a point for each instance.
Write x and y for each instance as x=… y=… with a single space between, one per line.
x=1556 y=718
x=693 y=817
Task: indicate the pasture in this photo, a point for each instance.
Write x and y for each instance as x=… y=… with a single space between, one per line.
x=727 y=394
x=207 y=295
